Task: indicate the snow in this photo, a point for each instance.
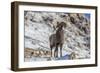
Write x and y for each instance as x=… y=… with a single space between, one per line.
x=39 y=27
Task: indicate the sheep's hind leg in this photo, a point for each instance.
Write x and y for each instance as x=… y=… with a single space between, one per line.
x=51 y=51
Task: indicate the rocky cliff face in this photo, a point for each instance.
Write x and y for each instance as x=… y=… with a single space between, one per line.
x=40 y=25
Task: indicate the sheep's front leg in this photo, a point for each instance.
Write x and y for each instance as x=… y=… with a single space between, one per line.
x=56 y=51
x=61 y=50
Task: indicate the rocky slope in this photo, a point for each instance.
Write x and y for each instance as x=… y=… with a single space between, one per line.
x=40 y=25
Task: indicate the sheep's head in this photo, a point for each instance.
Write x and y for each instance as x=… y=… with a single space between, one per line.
x=61 y=24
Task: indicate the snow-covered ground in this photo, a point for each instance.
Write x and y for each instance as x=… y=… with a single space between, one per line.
x=40 y=25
